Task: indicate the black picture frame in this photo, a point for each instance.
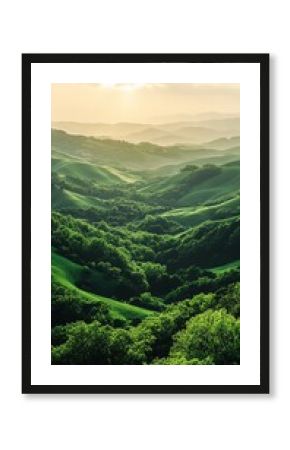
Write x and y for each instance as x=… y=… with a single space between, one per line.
x=27 y=61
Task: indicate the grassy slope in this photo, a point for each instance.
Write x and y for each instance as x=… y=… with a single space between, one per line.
x=196 y=188
x=228 y=181
x=85 y=170
x=192 y=216
x=123 y=176
x=226 y=267
x=108 y=151
x=65 y=199
x=69 y=273
x=97 y=175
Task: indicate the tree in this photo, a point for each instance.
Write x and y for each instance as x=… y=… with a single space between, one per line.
x=87 y=344
x=214 y=334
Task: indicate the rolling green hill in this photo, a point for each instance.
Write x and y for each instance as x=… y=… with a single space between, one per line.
x=65 y=199
x=212 y=188
x=197 y=185
x=127 y=156
x=68 y=274
x=192 y=216
x=90 y=172
x=110 y=152
x=208 y=245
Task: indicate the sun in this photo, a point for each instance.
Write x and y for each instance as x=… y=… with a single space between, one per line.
x=130 y=87
x=108 y=85
x=124 y=87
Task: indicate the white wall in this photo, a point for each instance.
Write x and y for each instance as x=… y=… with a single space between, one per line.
x=72 y=422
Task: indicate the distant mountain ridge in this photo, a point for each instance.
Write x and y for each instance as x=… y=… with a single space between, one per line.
x=168 y=133
x=223 y=143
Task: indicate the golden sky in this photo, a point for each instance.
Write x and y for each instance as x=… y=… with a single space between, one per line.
x=140 y=102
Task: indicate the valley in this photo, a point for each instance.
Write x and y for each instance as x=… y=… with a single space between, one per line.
x=146 y=243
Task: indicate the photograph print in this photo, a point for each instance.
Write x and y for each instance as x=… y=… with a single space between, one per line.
x=145 y=223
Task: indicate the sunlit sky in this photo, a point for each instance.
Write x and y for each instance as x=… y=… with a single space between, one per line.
x=140 y=102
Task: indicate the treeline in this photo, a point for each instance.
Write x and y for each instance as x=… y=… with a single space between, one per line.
x=190 y=177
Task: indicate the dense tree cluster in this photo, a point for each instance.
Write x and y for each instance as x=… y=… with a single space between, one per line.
x=132 y=264
x=196 y=331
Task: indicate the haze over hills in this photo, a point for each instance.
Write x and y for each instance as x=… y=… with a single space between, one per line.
x=168 y=133
x=209 y=115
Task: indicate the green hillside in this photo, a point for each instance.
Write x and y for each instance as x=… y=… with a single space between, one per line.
x=226 y=267
x=195 y=185
x=68 y=274
x=66 y=199
x=90 y=172
x=192 y=216
x=225 y=182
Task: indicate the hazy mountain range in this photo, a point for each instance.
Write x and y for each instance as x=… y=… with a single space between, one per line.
x=204 y=128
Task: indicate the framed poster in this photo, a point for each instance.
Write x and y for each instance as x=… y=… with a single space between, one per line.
x=145 y=223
